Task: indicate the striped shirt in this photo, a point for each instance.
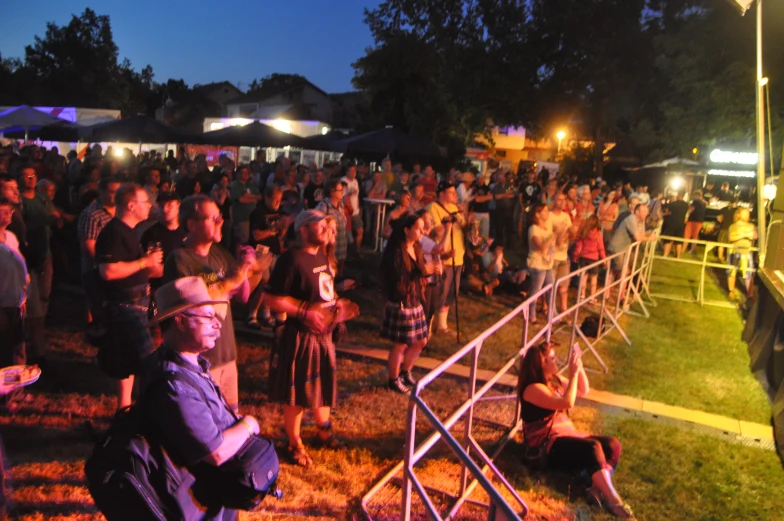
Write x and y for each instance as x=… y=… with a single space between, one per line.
x=91 y=222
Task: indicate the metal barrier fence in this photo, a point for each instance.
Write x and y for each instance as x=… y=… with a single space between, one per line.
x=703 y=263
x=631 y=284
x=380 y=216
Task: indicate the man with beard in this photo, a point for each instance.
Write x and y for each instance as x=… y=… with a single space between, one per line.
x=201 y=255
x=302 y=369
x=125 y=272
x=267 y=226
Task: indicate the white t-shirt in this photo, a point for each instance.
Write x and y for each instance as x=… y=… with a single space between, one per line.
x=427 y=247
x=537 y=259
x=352 y=192
x=560 y=223
x=464 y=194
x=12 y=242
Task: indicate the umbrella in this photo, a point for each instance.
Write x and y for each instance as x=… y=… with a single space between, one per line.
x=251 y=135
x=327 y=142
x=672 y=161
x=136 y=129
x=62 y=131
x=24 y=118
x=390 y=141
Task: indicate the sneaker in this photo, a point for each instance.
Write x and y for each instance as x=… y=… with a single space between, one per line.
x=398 y=385
x=408 y=378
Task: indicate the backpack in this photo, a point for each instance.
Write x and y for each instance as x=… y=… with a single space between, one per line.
x=131 y=479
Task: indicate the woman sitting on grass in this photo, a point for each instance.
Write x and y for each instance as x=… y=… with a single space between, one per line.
x=588 y=249
x=545 y=397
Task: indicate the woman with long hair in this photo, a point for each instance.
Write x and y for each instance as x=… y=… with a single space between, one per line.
x=588 y=249
x=545 y=399
x=608 y=212
x=403 y=273
x=541 y=251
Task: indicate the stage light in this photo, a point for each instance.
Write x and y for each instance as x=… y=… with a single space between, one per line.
x=676 y=183
x=740 y=158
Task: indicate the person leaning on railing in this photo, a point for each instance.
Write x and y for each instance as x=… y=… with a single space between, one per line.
x=545 y=398
x=742 y=235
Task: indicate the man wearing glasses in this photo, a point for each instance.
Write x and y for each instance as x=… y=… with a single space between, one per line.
x=125 y=270
x=201 y=255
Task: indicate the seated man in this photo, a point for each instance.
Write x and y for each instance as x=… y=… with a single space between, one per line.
x=189 y=415
x=497 y=267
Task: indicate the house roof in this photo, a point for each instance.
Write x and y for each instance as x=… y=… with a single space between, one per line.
x=261 y=94
x=216 y=85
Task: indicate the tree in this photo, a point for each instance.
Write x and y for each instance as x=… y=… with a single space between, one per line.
x=276 y=81
x=446 y=69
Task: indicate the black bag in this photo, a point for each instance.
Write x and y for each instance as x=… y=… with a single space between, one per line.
x=247 y=478
x=132 y=480
x=590 y=326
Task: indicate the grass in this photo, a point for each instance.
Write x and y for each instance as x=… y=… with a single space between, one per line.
x=665 y=472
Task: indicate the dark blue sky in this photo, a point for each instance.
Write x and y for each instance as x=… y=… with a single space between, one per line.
x=203 y=41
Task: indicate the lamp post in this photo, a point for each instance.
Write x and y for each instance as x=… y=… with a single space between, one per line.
x=744 y=5
x=560 y=135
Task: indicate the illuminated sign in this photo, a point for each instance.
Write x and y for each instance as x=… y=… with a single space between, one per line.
x=740 y=158
x=733 y=173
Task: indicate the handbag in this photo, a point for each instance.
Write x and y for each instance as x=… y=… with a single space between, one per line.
x=535 y=457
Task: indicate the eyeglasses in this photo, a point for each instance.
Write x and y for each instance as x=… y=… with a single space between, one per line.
x=217 y=219
x=203 y=318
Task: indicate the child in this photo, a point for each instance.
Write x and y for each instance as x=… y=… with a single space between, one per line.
x=588 y=249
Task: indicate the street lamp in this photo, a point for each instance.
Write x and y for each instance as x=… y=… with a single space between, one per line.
x=744 y=5
x=560 y=135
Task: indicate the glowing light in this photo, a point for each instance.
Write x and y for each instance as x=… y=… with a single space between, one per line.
x=694 y=151
x=118 y=152
x=733 y=173
x=216 y=126
x=282 y=124
x=763 y=82
x=560 y=135
x=740 y=158
x=324 y=131
x=769 y=192
x=676 y=183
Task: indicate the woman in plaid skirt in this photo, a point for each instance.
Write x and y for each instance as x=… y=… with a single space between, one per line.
x=403 y=273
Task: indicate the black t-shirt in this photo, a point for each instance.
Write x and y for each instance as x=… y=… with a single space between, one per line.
x=531 y=193
x=262 y=218
x=481 y=189
x=677 y=216
x=184 y=262
x=698 y=215
x=169 y=239
x=313 y=195
x=725 y=195
x=118 y=242
x=303 y=276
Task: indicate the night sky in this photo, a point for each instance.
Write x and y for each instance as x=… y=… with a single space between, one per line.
x=203 y=41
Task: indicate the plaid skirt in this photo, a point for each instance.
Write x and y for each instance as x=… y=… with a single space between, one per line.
x=404 y=325
x=302 y=369
x=127 y=342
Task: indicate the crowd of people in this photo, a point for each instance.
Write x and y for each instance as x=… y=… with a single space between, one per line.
x=162 y=244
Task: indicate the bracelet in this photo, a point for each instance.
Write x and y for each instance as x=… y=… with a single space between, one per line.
x=247 y=426
x=142 y=264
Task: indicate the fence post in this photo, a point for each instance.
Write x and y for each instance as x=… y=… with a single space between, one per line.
x=408 y=466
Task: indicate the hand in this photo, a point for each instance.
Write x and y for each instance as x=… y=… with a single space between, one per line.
x=154 y=259
x=575 y=360
x=254 y=424
x=317 y=320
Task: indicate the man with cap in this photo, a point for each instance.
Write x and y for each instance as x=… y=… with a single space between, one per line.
x=183 y=408
x=443 y=211
x=226 y=278
x=302 y=369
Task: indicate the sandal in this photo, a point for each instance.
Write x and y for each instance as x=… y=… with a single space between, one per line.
x=331 y=441
x=621 y=510
x=299 y=455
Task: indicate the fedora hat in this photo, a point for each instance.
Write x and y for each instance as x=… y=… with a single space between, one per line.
x=181 y=294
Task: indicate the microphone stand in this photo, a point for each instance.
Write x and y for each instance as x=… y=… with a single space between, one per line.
x=454 y=279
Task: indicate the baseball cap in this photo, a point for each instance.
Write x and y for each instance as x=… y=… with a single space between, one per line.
x=444 y=185
x=307 y=217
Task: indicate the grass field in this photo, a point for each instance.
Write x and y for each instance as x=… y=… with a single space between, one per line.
x=665 y=472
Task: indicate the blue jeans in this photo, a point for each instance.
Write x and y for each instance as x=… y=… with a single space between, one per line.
x=539 y=279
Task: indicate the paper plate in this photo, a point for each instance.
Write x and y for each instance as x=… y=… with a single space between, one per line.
x=19 y=375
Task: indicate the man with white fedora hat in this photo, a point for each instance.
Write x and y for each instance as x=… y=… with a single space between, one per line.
x=189 y=415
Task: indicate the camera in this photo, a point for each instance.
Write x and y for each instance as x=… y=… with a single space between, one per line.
x=449 y=219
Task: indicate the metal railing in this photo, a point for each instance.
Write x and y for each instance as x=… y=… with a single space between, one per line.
x=381 y=214
x=635 y=262
x=703 y=263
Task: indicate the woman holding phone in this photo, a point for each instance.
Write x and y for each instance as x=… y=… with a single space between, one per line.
x=545 y=398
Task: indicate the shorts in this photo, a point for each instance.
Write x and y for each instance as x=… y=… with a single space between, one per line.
x=744 y=261
x=128 y=341
x=404 y=325
x=561 y=269
x=587 y=262
x=693 y=230
x=356 y=222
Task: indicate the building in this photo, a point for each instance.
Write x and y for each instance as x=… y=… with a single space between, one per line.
x=221 y=92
